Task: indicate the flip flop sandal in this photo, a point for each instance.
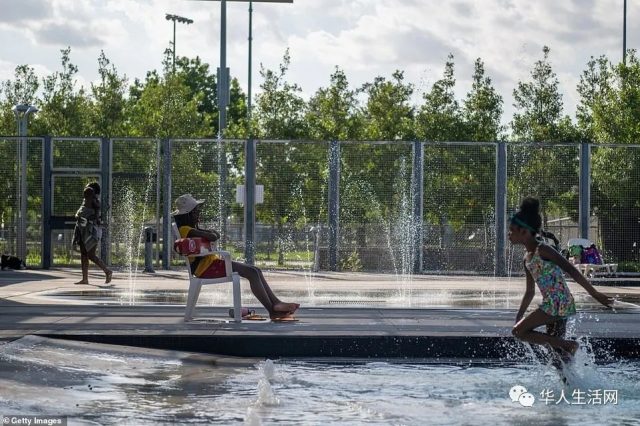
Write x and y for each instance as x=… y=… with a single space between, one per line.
x=284 y=319
x=254 y=317
x=244 y=312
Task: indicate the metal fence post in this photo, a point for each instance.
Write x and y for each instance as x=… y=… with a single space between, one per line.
x=166 y=204
x=105 y=177
x=417 y=191
x=250 y=201
x=585 y=189
x=334 y=204
x=47 y=258
x=23 y=190
x=501 y=210
x=222 y=189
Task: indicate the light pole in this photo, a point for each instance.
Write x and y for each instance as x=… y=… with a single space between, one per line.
x=624 y=33
x=223 y=72
x=250 y=148
x=22 y=112
x=182 y=20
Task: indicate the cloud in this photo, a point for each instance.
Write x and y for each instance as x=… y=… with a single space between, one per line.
x=69 y=34
x=365 y=38
x=17 y=12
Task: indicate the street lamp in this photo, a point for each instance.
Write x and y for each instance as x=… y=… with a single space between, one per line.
x=22 y=112
x=182 y=20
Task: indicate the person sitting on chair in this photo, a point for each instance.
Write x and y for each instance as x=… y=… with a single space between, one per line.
x=187 y=217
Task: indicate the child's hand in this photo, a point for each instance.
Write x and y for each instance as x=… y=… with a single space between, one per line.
x=604 y=299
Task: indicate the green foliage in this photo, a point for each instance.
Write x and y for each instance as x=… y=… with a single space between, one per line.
x=609 y=113
x=108 y=113
x=482 y=109
x=352 y=262
x=459 y=180
x=333 y=112
x=279 y=107
x=440 y=117
x=388 y=113
x=63 y=106
x=21 y=90
x=547 y=172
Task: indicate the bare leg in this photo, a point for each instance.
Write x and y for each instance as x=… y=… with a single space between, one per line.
x=84 y=265
x=262 y=291
x=524 y=330
x=290 y=307
x=558 y=357
x=257 y=286
x=95 y=259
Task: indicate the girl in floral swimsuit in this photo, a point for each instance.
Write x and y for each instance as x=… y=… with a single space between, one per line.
x=544 y=266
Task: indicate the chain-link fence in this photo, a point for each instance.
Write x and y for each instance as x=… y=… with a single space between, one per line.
x=551 y=174
x=615 y=203
x=459 y=207
x=16 y=229
x=388 y=195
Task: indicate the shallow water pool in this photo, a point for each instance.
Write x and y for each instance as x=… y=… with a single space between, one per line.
x=103 y=384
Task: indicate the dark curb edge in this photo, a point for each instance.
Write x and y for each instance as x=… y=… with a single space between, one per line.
x=374 y=347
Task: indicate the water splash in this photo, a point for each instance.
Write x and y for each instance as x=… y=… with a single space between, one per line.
x=130 y=217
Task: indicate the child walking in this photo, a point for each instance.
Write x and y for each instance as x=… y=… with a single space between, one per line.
x=544 y=266
x=88 y=232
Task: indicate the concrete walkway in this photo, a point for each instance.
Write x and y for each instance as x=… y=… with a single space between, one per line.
x=476 y=322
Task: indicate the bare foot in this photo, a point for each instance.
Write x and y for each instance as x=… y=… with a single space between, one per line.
x=108 y=276
x=287 y=308
x=82 y=282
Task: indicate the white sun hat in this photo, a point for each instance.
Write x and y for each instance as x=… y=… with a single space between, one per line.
x=185 y=203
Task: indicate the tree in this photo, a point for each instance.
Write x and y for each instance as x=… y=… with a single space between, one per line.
x=332 y=112
x=546 y=171
x=21 y=90
x=538 y=104
x=166 y=107
x=609 y=113
x=107 y=114
x=279 y=108
x=482 y=108
x=280 y=115
x=374 y=178
x=440 y=117
x=64 y=108
x=460 y=179
x=388 y=113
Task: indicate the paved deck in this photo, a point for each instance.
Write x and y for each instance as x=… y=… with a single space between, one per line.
x=28 y=306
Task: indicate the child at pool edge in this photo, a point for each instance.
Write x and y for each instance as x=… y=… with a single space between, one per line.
x=187 y=218
x=544 y=266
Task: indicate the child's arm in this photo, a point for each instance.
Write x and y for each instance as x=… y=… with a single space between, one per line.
x=549 y=253
x=528 y=295
x=208 y=235
x=96 y=207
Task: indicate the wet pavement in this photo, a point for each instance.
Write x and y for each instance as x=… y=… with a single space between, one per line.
x=342 y=314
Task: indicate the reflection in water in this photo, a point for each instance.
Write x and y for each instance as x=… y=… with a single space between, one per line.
x=102 y=384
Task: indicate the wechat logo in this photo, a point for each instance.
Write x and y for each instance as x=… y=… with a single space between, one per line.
x=519 y=394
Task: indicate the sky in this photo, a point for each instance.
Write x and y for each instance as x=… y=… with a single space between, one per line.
x=365 y=38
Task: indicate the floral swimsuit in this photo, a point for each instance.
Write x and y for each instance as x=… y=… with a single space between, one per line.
x=557 y=300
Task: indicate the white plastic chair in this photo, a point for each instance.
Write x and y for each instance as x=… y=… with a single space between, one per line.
x=590 y=269
x=195 y=283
